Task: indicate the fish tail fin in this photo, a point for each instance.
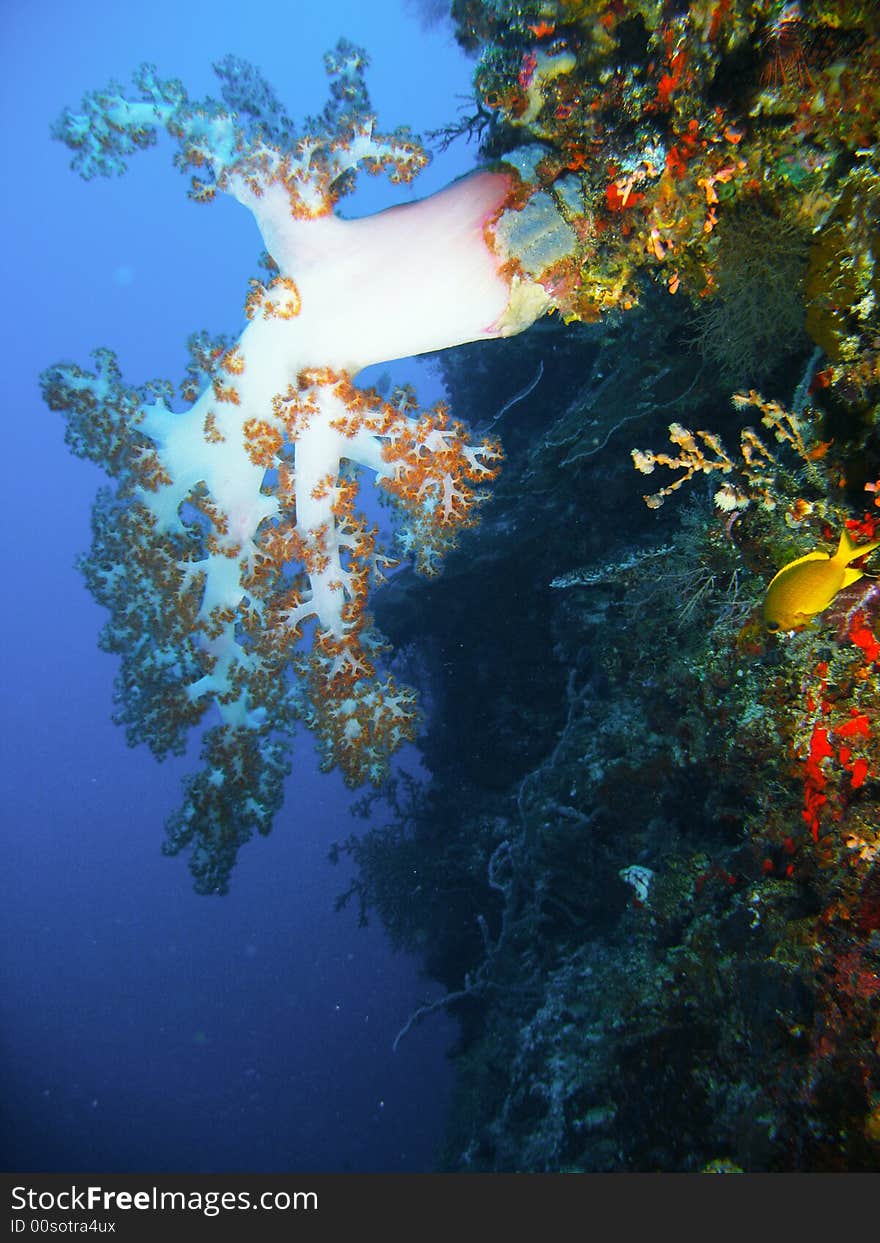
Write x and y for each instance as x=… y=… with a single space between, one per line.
x=848 y=550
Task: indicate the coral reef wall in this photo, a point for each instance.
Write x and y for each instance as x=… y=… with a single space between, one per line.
x=644 y=868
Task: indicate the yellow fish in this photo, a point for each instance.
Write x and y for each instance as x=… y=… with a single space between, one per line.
x=807 y=585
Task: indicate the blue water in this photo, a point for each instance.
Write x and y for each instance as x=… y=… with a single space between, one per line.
x=143 y=1027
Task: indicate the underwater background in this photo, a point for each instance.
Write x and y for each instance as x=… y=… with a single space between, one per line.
x=618 y=907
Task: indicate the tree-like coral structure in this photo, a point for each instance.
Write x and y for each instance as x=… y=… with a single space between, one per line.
x=230 y=553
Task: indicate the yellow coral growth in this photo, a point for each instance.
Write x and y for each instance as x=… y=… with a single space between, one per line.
x=691 y=459
x=757 y=468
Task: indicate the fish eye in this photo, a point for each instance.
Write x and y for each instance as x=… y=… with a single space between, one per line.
x=773 y=627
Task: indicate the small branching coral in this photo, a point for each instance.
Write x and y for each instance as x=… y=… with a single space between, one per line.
x=755 y=472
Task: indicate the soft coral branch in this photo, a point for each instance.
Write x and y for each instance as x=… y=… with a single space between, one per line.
x=231 y=555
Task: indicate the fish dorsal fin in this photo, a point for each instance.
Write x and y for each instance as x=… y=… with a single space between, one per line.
x=810 y=556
